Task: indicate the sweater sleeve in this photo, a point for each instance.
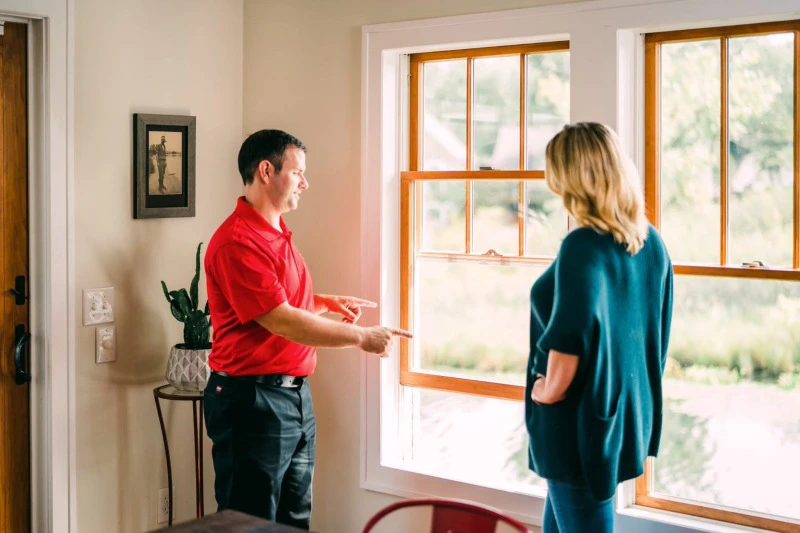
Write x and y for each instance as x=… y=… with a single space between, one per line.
x=579 y=288
x=666 y=317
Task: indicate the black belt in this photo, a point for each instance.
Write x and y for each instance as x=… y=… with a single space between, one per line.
x=276 y=380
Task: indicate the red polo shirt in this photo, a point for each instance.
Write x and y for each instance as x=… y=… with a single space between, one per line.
x=251 y=268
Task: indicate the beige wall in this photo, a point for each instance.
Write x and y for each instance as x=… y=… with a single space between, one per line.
x=302 y=71
x=150 y=56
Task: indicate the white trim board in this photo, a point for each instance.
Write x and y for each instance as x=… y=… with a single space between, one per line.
x=50 y=68
x=605 y=67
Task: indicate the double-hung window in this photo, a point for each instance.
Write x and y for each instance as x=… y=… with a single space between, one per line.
x=478 y=226
x=722 y=167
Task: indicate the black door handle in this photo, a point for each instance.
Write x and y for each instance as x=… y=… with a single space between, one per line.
x=19 y=290
x=20 y=376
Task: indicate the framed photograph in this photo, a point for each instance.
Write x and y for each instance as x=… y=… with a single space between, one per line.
x=163 y=166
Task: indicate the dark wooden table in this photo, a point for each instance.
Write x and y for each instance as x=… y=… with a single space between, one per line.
x=231 y=522
x=168 y=392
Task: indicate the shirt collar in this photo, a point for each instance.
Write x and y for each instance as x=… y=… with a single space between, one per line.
x=258 y=223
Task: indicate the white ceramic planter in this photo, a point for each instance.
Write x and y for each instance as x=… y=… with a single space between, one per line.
x=188 y=369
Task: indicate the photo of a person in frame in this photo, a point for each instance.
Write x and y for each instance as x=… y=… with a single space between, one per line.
x=165 y=168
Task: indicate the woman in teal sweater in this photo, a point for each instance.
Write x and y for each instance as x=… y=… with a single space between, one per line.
x=600 y=319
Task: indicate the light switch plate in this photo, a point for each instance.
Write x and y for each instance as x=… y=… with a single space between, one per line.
x=98 y=306
x=105 y=344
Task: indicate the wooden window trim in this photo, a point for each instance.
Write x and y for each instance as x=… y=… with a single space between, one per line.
x=471 y=53
x=796 y=220
x=462 y=385
x=540 y=260
x=652 y=100
x=523 y=149
x=411 y=201
x=741 y=30
x=723 y=153
x=710 y=512
x=784 y=274
x=472 y=175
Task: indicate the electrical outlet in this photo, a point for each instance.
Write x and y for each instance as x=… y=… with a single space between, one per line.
x=98 y=306
x=163 y=505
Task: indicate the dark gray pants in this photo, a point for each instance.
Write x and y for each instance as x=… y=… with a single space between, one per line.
x=264 y=443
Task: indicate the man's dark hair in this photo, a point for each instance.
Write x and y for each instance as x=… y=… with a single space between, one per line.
x=265 y=144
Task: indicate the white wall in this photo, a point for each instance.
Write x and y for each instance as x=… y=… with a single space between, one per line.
x=302 y=72
x=179 y=57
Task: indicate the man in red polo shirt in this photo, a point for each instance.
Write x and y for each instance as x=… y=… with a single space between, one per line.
x=266 y=330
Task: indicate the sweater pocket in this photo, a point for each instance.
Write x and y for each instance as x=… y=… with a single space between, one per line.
x=600 y=452
x=553 y=441
x=604 y=440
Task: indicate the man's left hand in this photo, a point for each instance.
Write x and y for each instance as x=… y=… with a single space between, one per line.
x=347 y=306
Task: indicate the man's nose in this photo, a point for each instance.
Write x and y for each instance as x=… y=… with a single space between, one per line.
x=304 y=182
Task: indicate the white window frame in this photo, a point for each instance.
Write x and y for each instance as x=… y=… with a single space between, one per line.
x=606 y=86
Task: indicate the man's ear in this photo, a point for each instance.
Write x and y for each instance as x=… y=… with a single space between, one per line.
x=265 y=170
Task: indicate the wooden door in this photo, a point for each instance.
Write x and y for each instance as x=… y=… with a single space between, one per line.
x=15 y=482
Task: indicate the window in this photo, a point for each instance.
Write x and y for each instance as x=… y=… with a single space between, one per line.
x=478 y=225
x=722 y=167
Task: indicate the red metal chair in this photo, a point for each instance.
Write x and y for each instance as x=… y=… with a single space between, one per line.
x=451 y=516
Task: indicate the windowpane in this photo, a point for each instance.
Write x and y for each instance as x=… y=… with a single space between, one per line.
x=473 y=319
x=690 y=148
x=443 y=423
x=495 y=114
x=731 y=432
x=443 y=216
x=444 y=115
x=496 y=217
x=548 y=102
x=546 y=220
x=761 y=177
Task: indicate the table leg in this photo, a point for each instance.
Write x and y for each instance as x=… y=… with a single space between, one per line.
x=196 y=460
x=166 y=451
x=202 y=484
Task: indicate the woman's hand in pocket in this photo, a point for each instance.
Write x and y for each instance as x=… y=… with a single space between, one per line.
x=538 y=391
x=561 y=370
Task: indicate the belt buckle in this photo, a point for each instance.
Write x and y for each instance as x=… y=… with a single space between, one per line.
x=285 y=381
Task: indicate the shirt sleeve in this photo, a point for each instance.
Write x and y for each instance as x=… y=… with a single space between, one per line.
x=579 y=288
x=248 y=280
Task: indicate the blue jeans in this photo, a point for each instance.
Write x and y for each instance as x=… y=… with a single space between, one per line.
x=573 y=509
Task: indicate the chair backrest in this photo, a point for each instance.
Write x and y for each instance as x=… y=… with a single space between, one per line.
x=450 y=516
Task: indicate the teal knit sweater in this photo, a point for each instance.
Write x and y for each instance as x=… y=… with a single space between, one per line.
x=613 y=311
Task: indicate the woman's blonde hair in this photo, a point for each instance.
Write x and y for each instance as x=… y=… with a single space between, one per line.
x=585 y=165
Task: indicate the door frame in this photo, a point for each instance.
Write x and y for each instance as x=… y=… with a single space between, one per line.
x=51 y=53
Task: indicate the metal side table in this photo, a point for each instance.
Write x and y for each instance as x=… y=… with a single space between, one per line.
x=168 y=392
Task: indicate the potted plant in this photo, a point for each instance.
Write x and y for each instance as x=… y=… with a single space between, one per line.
x=187 y=367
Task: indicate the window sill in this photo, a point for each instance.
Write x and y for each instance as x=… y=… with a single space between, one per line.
x=407 y=482
x=685 y=522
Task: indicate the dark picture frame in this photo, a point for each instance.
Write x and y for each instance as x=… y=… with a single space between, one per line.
x=163 y=166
